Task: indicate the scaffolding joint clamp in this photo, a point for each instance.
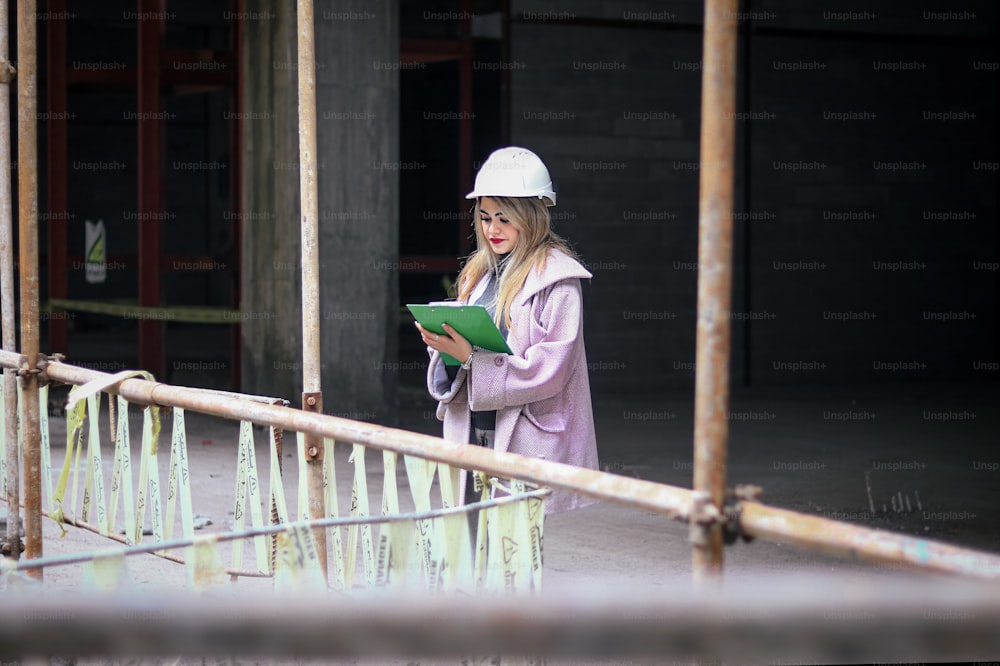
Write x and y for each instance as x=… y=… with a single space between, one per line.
x=7 y=71
x=24 y=369
x=43 y=367
x=6 y=549
x=312 y=401
x=732 y=530
x=704 y=514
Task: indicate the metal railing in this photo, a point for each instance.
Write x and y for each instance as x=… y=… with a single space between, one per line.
x=743 y=516
x=439 y=530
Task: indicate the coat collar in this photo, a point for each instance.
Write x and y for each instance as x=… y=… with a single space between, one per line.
x=558 y=266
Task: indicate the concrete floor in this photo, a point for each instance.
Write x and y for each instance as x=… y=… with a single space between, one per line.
x=877 y=456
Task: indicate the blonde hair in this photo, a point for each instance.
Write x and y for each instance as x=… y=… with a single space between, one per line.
x=535 y=238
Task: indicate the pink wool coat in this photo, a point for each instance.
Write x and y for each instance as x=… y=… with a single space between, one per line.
x=541 y=392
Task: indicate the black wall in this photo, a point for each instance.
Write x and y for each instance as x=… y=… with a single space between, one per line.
x=865 y=230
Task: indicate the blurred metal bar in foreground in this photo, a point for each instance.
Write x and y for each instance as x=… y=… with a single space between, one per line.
x=715 y=279
x=871 y=623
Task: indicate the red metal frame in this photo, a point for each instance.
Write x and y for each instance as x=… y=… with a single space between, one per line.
x=58 y=200
x=150 y=168
x=437 y=50
x=155 y=70
x=236 y=371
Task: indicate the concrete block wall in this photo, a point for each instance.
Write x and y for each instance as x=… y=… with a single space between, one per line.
x=878 y=211
x=853 y=263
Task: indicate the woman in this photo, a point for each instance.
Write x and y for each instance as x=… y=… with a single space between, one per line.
x=535 y=401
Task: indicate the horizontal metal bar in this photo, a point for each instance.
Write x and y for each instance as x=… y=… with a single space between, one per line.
x=222 y=537
x=667 y=500
x=151 y=549
x=815 y=623
x=863 y=543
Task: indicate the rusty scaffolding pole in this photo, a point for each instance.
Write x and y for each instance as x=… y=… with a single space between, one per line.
x=27 y=192
x=312 y=392
x=12 y=546
x=715 y=277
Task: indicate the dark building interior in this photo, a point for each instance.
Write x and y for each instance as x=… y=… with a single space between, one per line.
x=865 y=247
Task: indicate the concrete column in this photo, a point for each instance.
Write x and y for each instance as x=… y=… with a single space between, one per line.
x=357 y=55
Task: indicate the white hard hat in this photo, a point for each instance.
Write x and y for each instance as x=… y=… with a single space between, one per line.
x=514 y=172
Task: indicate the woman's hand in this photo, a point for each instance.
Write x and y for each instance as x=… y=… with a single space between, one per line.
x=451 y=342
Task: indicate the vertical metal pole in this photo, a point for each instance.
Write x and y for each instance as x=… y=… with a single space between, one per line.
x=13 y=543
x=715 y=255
x=27 y=181
x=312 y=397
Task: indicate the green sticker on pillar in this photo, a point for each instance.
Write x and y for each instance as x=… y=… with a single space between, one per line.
x=96 y=264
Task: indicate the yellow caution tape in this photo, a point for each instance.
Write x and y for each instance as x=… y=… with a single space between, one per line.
x=101 y=384
x=429 y=554
x=46 y=446
x=297 y=568
x=333 y=511
x=404 y=565
x=303 y=496
x=457 y=568
x=482 y=529
x=106 y=572
x=179 y=479
x=76 y=460
x=390 y=506
x=94 y=475
x=121 y=475
x=276 y=491
x=191 y=314
x=501 y=569
x=3 y=438
x=390 y=491
x=149 y=482
x=359 y=508
x=179 y=486
x=449 y=479
x=74 y=433
x=420 y=473
x=248 y=484
x=534 y=519
x=207 y=570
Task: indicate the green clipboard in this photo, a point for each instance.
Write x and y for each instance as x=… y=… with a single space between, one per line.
x=473 y=322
